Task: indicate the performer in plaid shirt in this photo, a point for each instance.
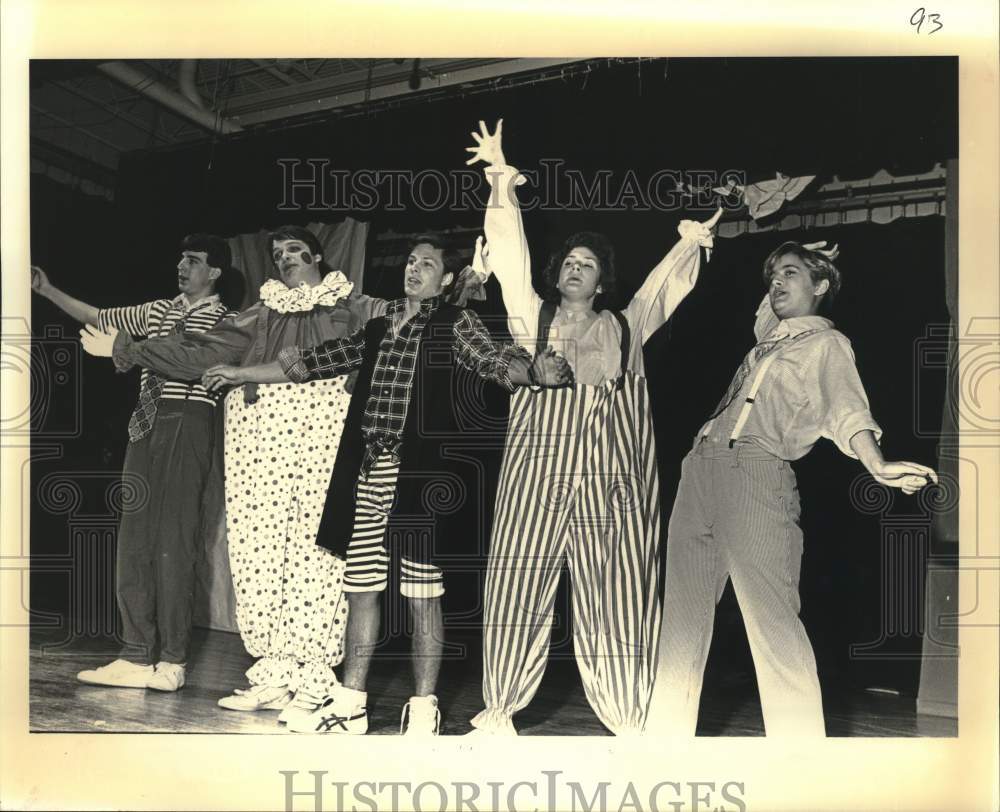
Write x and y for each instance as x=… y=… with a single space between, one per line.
x=171 y=435
x=402 y=379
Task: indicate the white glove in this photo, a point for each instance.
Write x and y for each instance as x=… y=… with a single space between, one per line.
x=96 y=342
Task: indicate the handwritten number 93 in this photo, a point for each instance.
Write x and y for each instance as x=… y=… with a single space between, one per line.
x=919 y=17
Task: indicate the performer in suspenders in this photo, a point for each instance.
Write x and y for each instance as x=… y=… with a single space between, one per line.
x=736 y=514
x=578 y=481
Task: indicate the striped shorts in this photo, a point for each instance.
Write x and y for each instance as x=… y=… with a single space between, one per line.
x=367 y=559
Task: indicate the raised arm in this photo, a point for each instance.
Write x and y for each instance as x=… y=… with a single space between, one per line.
x=74 y=308
x=671 y=280
x=509 y=259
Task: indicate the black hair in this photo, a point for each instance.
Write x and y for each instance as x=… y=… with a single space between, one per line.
x=217 y=252
x=450 y=257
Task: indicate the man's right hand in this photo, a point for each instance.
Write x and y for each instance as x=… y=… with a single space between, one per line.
x=39 y=281
x=222 y=375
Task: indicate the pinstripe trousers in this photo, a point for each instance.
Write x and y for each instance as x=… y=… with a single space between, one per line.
x=736 y=516
x=578 y=484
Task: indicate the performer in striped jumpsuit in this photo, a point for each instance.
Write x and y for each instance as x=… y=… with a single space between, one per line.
x=736 y=514
x=579 y=481
x=167 y=463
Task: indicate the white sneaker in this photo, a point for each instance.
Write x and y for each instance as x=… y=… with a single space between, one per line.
x=168 y=677
x=342 y=712
x=120 y=674
x=257 y=697
x=303 y=704
x=421 y=717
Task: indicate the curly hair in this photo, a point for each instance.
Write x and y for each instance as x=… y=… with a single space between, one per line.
x=602 y=248
x=820 y=267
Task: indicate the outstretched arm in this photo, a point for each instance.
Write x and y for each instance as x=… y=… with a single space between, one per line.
x=223 y=375
x=505 y=364
x=835 y=393
x=74 y=308
x=671 y=280
x=182 y=357
x=509 y=259
x=910 y=477
x=338 y=356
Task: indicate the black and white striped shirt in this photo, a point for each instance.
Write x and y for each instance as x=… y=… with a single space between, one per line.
x=158 y=318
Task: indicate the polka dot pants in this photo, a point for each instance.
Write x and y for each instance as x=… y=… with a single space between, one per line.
x=290 y=605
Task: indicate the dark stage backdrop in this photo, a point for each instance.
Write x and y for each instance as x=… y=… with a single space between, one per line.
x=850 y=117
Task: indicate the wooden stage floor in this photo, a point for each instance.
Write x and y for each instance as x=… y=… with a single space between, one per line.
x=59 y=703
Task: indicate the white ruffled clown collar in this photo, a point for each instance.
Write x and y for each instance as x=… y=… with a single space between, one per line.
x=277 y=296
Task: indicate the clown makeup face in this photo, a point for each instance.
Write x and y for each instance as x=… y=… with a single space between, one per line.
x=295 y=262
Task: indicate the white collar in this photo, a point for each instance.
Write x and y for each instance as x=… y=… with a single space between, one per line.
x=185 y=302
x=277 y=296
x=799 y=324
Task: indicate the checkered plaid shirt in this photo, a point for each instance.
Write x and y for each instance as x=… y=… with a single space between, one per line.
x=392 y=378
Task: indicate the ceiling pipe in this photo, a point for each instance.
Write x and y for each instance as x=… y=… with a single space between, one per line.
x=186 y=82
x=173 y=101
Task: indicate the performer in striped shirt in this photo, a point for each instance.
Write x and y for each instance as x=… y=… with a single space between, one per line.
x=171 y=434
x=736 y=514
x=280 y=443
x=578 y=482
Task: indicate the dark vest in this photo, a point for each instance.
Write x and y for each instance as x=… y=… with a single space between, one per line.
x=434 y=416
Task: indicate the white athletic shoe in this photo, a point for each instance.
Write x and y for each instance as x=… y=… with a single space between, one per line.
x=257 y=697
x=342 y=712
x=168 y=677
x=120 y=674
x=421 y=717
x=303 y=704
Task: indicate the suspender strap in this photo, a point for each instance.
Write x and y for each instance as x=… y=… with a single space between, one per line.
x=626 y=344
x=545 y=316
x=758 y=380
x=751 y=396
